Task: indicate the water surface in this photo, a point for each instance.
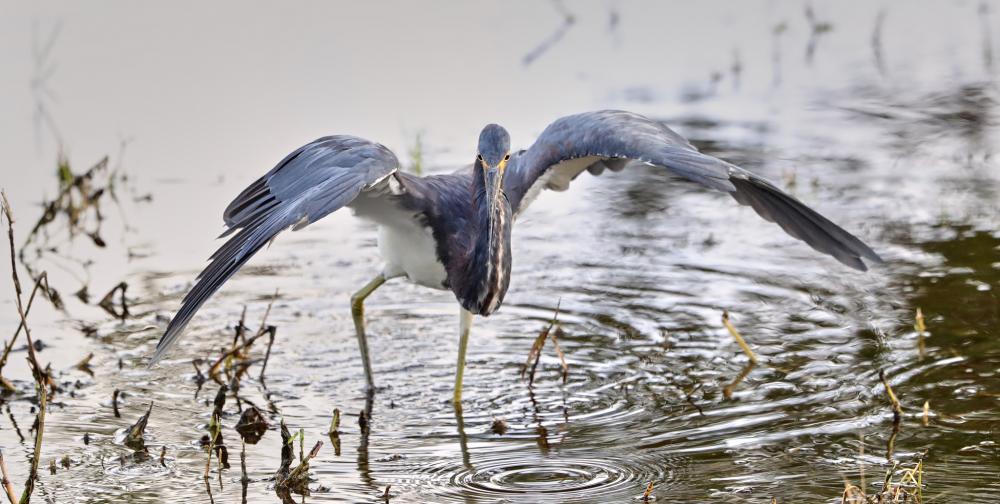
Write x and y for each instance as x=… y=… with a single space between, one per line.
x=883 y=118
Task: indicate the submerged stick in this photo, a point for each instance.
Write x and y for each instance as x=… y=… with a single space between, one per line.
x=739 y=339
x=727 y=392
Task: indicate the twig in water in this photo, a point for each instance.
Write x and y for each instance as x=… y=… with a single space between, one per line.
x=727 y=392
x=29 y=486
x=42 y=380
x=739 y=339
x=231 y=354
x=215 y=427
x=243 y=465
x=41 y=281
x=300 y=474
x=363 y=422
x=690 y=399
x=927 y=413
x=297 y=479
x=237 y=351
x=84 y=364
x=7 y=386
x=335 y=422
x=244 y=479
x=108 y=304
x=241 y=328
x=535 y=354
x=135 y=437
x=114 y=402
x=648 y=493
x=890 y=445
x=36 y=369
x=897 y=409
x=334 y=432
x=918 y=325
x=271 y=330
x=559 y=352
x=861 y=458
x=7 y=486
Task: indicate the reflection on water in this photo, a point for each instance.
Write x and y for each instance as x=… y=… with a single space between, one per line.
x=899 y=149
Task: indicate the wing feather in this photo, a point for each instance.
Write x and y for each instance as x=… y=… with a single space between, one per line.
x=611 y=138
x=310 y=183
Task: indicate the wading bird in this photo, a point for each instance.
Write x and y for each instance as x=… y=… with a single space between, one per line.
x=453 y=232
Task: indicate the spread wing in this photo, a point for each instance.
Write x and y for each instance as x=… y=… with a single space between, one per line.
x=611 y=139
x=310 y=183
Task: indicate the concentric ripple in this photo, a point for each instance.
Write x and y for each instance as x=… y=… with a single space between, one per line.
x=552 y=478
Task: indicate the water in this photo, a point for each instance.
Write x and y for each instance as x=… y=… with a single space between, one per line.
x=893 y=136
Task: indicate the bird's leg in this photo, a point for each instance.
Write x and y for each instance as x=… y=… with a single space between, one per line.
x=358 y=312
x=465 y=326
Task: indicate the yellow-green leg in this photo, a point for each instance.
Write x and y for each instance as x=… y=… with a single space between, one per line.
x=358 y=312
x=465 y=326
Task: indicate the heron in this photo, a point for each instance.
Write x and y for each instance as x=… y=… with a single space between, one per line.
x=453 y=231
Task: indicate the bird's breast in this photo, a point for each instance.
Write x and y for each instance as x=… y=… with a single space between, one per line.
x=410 y=250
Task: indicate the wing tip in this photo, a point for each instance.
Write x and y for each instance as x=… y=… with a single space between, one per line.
x=165 y=344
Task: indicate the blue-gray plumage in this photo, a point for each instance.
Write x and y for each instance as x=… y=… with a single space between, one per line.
x=453 y=231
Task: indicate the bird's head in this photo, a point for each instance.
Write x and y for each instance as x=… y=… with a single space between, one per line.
x=494 y=152
x=482 y=291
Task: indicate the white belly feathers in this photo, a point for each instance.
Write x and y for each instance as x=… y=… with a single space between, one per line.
x=410 y=250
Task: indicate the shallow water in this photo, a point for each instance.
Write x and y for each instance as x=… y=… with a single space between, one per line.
x=895 y=141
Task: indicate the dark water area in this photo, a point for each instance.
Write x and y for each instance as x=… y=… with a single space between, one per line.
x=883 y=118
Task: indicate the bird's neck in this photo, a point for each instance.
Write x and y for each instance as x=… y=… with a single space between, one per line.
x=488 y=269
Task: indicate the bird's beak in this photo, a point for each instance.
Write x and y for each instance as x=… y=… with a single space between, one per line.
x=494 y=183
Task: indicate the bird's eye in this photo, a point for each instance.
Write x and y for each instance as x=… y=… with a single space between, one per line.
x=507 y=157
x=479 y=157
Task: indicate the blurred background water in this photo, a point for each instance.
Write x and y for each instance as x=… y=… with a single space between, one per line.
x=881 y=115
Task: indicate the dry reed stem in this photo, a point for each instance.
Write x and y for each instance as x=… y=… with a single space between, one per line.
x=739 y=339
x=41 y=378
x=897 y=408
x=43 y=277
x=7 y=486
